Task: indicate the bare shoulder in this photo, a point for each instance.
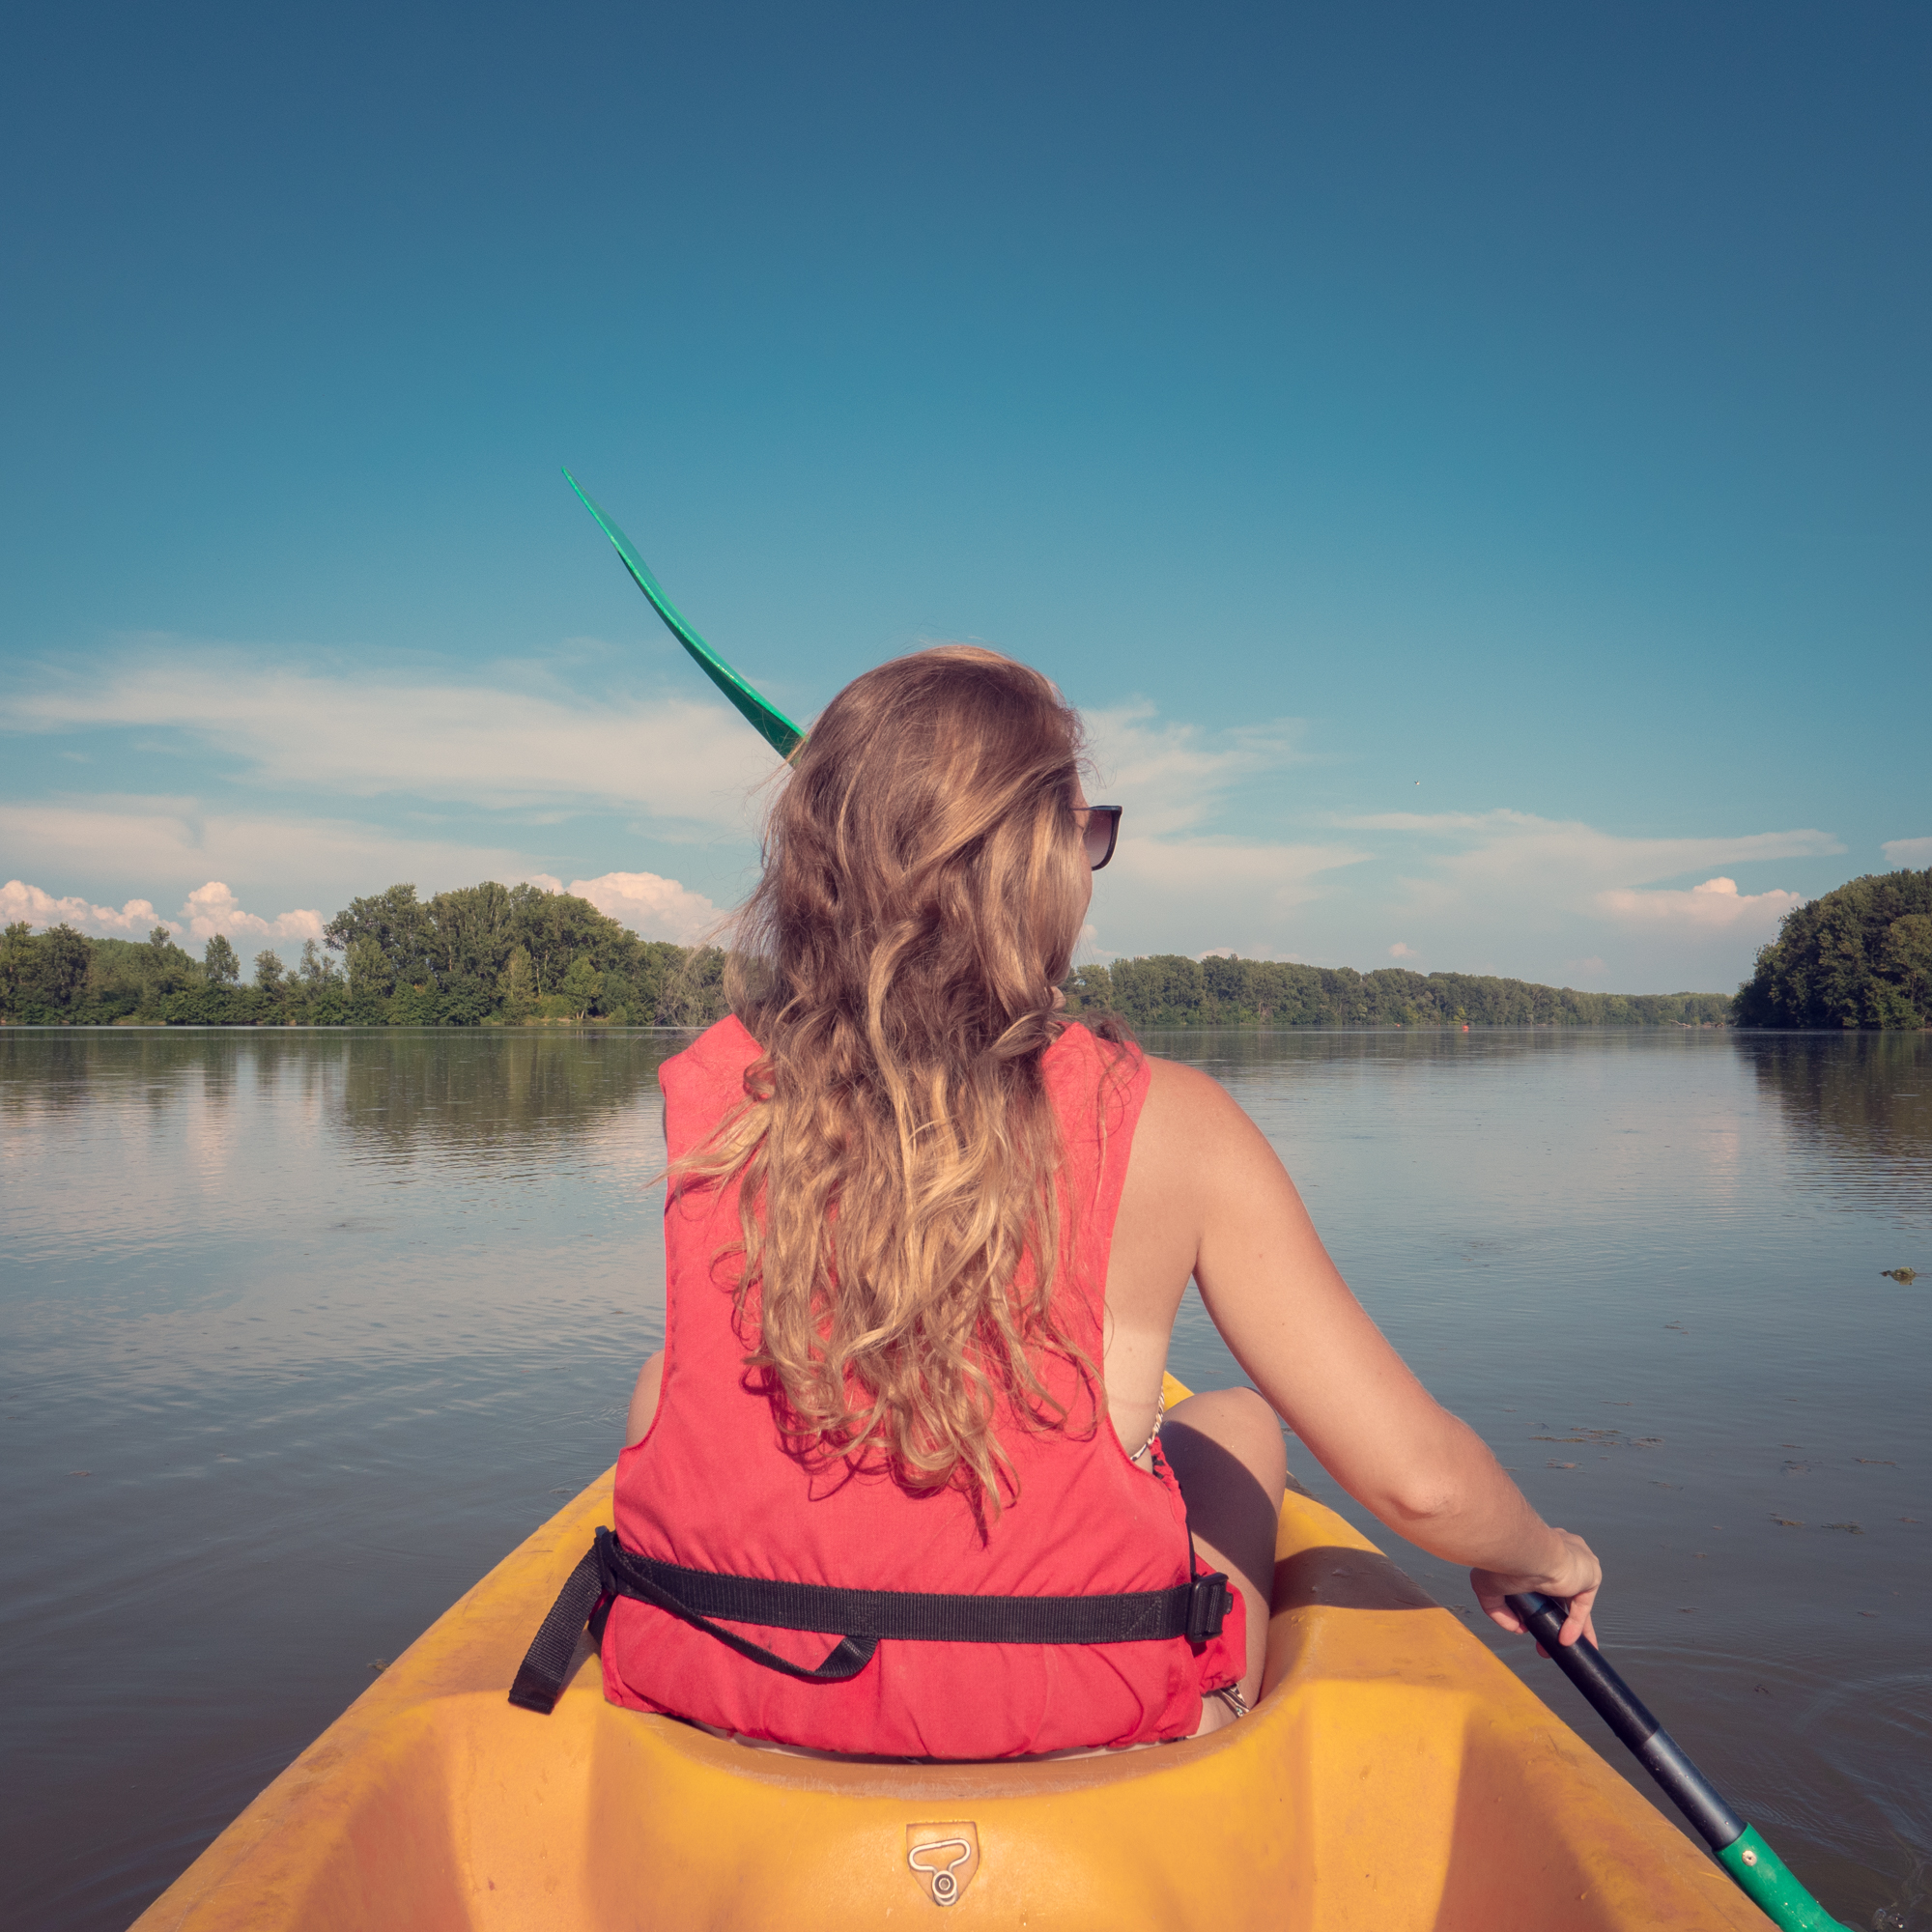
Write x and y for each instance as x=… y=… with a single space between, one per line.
x=1183 y=1100
x=1191 y=1126
x=1196 y=1156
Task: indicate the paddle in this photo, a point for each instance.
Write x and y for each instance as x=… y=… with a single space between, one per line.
x=1756 y=1867
x=764 y=717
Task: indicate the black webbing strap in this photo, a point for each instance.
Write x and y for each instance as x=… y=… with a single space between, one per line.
x=858 y=1618
x=539 y=1681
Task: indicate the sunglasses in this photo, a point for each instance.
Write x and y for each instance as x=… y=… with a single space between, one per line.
x=1100 y=828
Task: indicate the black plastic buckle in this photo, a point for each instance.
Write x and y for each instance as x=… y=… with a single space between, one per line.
x=1207 y=1606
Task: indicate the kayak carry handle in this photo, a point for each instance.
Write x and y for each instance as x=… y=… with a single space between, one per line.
x=1764 y=1876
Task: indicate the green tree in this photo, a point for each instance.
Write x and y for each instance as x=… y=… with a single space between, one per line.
x=516 y=984
x=1906 y=961
x=470 y=933
x=1168 y=990
x=370 y=971
x=1163 y=989
x=269 y=972
x=219 y=962
x=60 y=975
x=555 y=927
x=43 y=979
x=695 y=994
x=167 y=969
x=398 y=927
x=1089 y=989
x=316 y=970
x=1853 y=957
x=18 y=961
x=583 y=985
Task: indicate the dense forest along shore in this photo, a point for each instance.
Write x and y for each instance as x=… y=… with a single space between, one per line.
x=1858 y=958
x=495 y=955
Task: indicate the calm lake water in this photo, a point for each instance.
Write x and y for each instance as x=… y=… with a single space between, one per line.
x=300 y=1332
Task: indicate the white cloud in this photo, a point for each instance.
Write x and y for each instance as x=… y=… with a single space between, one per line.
x=1570 y=863
x=135 y=919
x=174 y=839
x=1161 y=893
x=478 y=744
x=212 y=908
x=1171 y=879
x=1512 y=892
x=1717 y=905
x=1904 y=852
x=1173 y=777
x=208 y=909
x=1591 y=968
x=1276 y=877
x=1400 y=952
x=1515 y=862
x=652 y=907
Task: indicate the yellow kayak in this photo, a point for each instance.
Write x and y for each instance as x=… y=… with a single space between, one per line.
x=1394 y=1775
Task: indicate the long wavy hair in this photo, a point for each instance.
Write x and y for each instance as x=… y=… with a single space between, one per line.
x=896 y=1154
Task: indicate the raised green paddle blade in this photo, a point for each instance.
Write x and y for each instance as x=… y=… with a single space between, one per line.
x=764 y=717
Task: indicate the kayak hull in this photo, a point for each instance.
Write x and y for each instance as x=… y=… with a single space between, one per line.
x=1394 y=1775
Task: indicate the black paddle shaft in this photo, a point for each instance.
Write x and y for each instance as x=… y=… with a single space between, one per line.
x=1619 y=1706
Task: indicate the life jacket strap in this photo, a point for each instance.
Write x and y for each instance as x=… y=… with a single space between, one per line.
x=858 y=1618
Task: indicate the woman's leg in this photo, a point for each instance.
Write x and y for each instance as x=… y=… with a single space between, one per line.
x=1226 y=1451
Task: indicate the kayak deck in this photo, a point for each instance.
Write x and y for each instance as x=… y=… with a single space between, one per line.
x=1394 y=1775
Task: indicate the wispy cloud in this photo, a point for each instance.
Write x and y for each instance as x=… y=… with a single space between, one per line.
x=1903 y=852
x=1169 y=894
x=1481 y=857
x=480 y=742
x=1174 y=775
x=1717 y=905
x=304 y=783
x=175 y=840
x=1508 y=890
x=1175 y=881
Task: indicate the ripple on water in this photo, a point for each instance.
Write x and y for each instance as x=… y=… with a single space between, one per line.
x=379 y=1297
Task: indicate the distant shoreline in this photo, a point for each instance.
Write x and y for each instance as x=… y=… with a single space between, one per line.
x=611 y=1026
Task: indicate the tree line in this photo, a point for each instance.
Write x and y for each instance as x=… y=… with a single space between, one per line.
x=508 y=956
x=1168 y=989
x=1858 y=957
x=481 y=956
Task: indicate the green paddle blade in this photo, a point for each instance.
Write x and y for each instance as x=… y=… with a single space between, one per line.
x=764 y=717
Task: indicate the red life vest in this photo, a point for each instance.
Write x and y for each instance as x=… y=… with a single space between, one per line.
x=712 y=1487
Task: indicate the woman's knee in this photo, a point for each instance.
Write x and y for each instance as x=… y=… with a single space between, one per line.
x=1225 y=1449
x=1242 y=1424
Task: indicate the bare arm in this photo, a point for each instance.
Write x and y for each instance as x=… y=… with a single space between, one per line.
x=1308 y=1347
x=644 y=1399
x=650 y=1377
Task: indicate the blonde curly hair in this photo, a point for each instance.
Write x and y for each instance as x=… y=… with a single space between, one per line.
x=896 y=1154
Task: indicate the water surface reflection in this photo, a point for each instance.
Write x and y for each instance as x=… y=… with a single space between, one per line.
x=301 y=1331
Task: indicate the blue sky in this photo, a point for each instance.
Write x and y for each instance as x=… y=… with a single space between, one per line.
x=1469 y=466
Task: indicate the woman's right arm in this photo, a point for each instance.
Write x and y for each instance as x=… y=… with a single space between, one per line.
x=644 y=1399
x=1307 y=1344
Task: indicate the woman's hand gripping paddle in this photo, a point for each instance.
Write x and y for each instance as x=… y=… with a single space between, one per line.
x=1756 y=1867
x=764 y=717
